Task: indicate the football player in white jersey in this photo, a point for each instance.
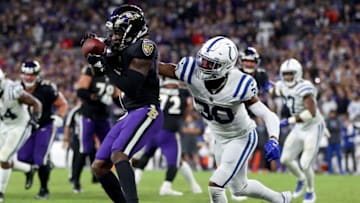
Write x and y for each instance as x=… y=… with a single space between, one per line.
x=309 y=126
x=16 y=124
x=220 y=93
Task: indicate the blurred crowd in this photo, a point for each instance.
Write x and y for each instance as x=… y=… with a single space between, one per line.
x=323 y=35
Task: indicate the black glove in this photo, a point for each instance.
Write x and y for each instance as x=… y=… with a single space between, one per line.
x=34 y=120
x=96 y=62
x=87 y=36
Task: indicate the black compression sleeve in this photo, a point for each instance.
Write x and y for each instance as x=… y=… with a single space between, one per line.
x=83 y=94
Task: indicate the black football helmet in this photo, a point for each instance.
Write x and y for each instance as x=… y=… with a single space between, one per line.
x=128 y=21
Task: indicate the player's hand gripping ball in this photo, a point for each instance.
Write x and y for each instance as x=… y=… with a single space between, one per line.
x=93 y=46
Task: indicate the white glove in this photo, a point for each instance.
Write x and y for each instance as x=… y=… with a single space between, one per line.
x=57 y=121
x=106 y=99
x=327 y=133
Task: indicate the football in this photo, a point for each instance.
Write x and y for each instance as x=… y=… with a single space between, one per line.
x=94 y=46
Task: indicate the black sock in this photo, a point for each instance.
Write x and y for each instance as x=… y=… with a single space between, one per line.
x=112 y=187
x=127 y=181
x=144 y=159
x=171 y=173
x=44 y=173
x=79 y=165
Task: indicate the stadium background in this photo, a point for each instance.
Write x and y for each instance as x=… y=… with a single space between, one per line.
x=323 y=35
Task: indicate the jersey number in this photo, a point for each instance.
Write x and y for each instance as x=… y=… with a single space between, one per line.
x=175 y=103
x=290 y=103
x=220 y=114
x=104 y=88
x=9 y=115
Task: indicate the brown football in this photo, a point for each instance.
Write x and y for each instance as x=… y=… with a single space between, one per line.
x=94 y=46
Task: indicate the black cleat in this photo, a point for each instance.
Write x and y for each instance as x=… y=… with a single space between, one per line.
x=43 y=194
x=29 y=178
x=1 y=197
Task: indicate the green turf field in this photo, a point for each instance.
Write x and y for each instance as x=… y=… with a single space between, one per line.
x=330 y=189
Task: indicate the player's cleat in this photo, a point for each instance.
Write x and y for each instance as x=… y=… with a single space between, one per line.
x=238 y=198
x=287 y=196
x=29 y=178
x=77 y=189
x=167 y=190
x=300 y=189
x=1 y=197
x=310 y=197
x=196 y=189
x=43 y=194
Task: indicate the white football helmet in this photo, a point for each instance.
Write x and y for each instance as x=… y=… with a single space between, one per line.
x=30 y=68
x=291 y=66
x=215 y=58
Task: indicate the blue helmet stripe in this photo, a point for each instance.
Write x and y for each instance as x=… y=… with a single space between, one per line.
x=213 y=43
x=191 y=71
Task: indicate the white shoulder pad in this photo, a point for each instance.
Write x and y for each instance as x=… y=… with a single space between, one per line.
x=185 y=69
x=15 y=91
x=305 y=88
x=246 y=88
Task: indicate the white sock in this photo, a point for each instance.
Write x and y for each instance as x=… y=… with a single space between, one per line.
x=309 y=174
x=21 y=166
x=187 y=173
x=138 y=175
x=4 y=178
x=257 y=190
x=166 y=184
x=217 y=195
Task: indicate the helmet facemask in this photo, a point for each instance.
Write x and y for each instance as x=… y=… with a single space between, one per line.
x=30 y=73
x=290 y=72
x=250 y=60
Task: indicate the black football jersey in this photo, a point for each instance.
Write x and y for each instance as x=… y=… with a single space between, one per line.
x=46 y=92
x=99 y=86
x=117 y=66
x=173 y=103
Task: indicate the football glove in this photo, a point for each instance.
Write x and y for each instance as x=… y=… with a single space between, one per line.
x=57 y=121
x=272 y=150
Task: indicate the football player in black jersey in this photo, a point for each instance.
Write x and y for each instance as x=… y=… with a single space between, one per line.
x=96 y=94
x=174 y=104
x=37 y=147
x=131 y=63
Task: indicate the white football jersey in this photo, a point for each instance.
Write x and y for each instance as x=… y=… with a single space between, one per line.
x=11 y=111
x=294 y=97
x=224 y=112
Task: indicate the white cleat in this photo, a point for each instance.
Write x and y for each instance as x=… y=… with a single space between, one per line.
x=287 y=196
x=310 y=197
x=169 y=191
x=238 y=198
x=196 y=189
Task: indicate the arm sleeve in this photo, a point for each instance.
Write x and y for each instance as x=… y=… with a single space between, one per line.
x=271 y=120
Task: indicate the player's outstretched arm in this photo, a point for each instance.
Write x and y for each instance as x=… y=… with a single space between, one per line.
x=30 y=100
x=167 y=70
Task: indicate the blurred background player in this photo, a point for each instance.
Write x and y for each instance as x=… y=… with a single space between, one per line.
x=221 y=102
x=136 y=75
x=303 y=140
x=96 y=94
x=173 y=102
x=15 y=124
x=37 y=147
